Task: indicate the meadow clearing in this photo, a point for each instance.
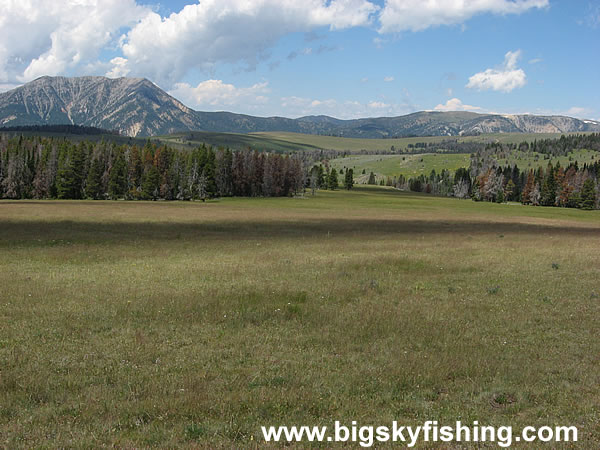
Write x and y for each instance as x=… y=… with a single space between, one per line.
x=285 y=142
x=136 y=324
x=411 y=166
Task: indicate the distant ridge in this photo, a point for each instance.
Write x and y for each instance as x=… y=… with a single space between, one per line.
x=137 y=107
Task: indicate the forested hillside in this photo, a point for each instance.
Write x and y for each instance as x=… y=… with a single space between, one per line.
x=57 y=168
x=546 y=184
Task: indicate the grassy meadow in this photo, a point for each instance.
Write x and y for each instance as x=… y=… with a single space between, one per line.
x=135 y=324
x=407 y=165
x=279 y=141
x=422 y=164
x=533 y=160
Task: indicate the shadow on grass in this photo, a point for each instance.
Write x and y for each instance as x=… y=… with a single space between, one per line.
x=40 y=232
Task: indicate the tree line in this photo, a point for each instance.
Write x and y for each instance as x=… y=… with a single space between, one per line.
x=42 y=168
x=571 y=186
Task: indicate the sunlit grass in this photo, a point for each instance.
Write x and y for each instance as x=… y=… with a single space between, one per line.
x=185 y=324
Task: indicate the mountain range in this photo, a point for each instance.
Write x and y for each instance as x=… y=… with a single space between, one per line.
x=137 y=107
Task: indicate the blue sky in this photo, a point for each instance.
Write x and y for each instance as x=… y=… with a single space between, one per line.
x=344 y=58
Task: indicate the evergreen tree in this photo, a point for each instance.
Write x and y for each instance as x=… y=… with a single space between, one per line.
x=588 y=195
x=70 y=176
x=509 y=190
x=332 y=181
x=548 y=194
x=93 y=186
x=349 y=179
x=223 y=177
x=135 y=169
x=117 y=183
x=321 y=182
x=151 y=184
x=372 y=179
x=500 y=196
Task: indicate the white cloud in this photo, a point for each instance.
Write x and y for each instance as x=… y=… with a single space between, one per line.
x=215 y=31
x=216 y=95
x=505 y=79
x=49 y=37
x=388 y=79
x=418 y=15
x=350 y=109
x=454 y=104
x=535 y=61
x=579 y=112
x=8 y=86
x=377 y=105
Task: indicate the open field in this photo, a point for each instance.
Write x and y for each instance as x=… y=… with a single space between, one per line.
x=533 y=160
x=187 y=324
x=287 y=142
x=234 y=141
x=400 y=144
x=407 y=165
x=284 y=142
x=422 y=164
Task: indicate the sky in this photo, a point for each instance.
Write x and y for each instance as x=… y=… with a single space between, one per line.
x=342 y=58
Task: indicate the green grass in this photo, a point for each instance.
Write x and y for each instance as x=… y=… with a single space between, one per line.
x=400 y=144
x=533 y=160
x=234 y=141
x=288 y=142
x=186 y=324
x=422 y=164
x=284 y=142
x=407 y=165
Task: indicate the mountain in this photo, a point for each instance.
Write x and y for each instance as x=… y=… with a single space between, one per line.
x=133 y=106
x=137 y=107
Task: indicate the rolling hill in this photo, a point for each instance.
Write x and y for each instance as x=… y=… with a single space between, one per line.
x=137 y=107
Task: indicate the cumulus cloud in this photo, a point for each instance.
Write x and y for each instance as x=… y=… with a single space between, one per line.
x=73 y=37
x=579 y=112
x=505 y=79
x=46 y=37
x=378 y=105
x=217 y=95
x=388 y=79
x=418 y=15
x=454 y=104
x=213 y=31
x=350 y=109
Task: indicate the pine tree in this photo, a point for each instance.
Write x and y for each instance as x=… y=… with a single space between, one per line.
x=548 y=194
x=372 y=179
x=321 y=182
x=135 y=169
x=117 y=183
x=332 y=181
x=528 y=189
x=150 y=184
x=500 y=196
x=588 y=195
x=70 y=176
x=93 y=188
x=509 y=190
x=223 y=178
x=349 y=179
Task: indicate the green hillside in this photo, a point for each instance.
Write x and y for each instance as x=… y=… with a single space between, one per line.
x=407 y=165
x=289 y=142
